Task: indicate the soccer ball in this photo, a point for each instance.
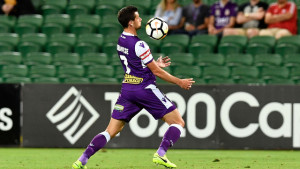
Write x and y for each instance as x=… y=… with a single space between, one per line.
x=157 y=28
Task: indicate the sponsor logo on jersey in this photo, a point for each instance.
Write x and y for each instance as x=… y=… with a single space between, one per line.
x=132 y=79
x=119 y=107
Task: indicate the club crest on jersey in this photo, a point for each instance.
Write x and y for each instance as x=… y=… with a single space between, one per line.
x=142 y=45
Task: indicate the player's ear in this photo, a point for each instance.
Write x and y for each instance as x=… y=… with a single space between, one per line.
x=130 y=23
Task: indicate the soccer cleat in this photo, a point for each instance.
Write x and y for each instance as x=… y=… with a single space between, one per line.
x=78 y=165
x=163 y=161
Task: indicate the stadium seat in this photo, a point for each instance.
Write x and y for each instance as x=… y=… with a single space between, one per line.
x=65 y=71
x=52 y=28
x=14 y=71
x=212 y=72
x=268 y=41
x=8 y=41
x=262 y=60
x=208 y=42
x=114 y=60
x=229 y=48
x=198 y=48
x=174 y=39
x=238 y=40
x=66 y=59
x=103 y=10
x=239 y=60
x=241 y=72
x=187 y=71
x=48 y=80
x=119 y=73
x=32 y=43
x=42 y=71
x=280 y=81
x=7 y=23
x=60 y=43
x=54 y=7
x=7 y=58
x=108 y=29
x=181 y=59
x=285 y=49
x=271 y=72
x=87 y=4
x=37 y=58
x=74 y=10
x=218 y=81
x=143 y=6
x=292 y=60
x=255 y=49
x=115 y=3
x=157 y=55
x=100 y=71
x=105 y=80
x=17 y=80
x=209 y=59
x=36 y=20
x=81 y=28
x=251 y=81
x=109 y=49
x=77 y=80
x=91 y=20
x=88 y=59
x=171 y=48
x=63 y=20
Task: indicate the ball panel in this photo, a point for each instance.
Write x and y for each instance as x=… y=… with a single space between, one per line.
x=156 y=28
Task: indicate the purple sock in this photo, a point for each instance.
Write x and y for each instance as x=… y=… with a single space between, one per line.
x=170 y=138
x=96 y=144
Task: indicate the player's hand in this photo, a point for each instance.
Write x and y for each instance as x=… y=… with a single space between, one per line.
x=163 y=62
x=186 y=83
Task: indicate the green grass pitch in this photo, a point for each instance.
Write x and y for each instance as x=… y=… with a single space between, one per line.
x=59 y=158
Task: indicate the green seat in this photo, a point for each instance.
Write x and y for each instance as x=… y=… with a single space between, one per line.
x=206 y=42
x=143 y=6
x=262 y=60
x=88 y=43
x=91 y=20
x=52 y=28
x=239 y=40
x=42 y=71
x=37 y=58
x=285 y=49
x=211 y=72
x=74 y=10
x=54 y=7
x=48 y=80
x=292 y=60
x=63 y=20
x=182 y=59
x=280 y=81
x=229 y=48
x=114 y=60
x=32 y=43
x=187 y=71
x=239 y=60
x=66 y=59
x=59 y=43
x=100 y=71
x=17 y=80
x=108 y=29
x=255 y=49
x=103 y=10
x=105 y=80
x=115 y=3
x=14 y=71
x=111 y=39
x=8 y=41
x=35 y=20
x=275 y=72
x=81 y=28
x=88 y=59
x=27 y=47
x=198 y=48
x=268 y=41
x=251 y=81
x=110 y=49
x=171 y=48
x=157 y=55
x=65 y=71
x=24 y=28
x=88 y=4
x=295 y=73
x=77 y=80
x=154 y=45
x=180 y=39
x=217 y=81
x=209 y=59
x=242 y=72
x=7 y=58
x=119 y=73
x=7 y=23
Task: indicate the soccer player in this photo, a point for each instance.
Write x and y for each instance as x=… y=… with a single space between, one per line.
x=139 y=91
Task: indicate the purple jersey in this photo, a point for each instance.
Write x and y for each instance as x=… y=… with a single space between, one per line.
x=135 y=55
x=223 y=13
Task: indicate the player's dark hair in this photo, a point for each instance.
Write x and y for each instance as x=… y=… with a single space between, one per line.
x=126 y=14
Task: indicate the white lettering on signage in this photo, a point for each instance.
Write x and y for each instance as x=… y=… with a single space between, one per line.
x=290 y=113
x=6 y=123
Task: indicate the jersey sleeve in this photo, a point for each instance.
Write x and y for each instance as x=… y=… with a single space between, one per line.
x=142 y=50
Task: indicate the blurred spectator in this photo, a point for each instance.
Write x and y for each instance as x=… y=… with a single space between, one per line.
x=251 y=17
x=16 y=7
x=170 y=11
x=195 y=18
x=282 y=19
x=222 y=15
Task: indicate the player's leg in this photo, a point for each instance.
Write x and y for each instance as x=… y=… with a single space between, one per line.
x=99 y=141
x=171 y=136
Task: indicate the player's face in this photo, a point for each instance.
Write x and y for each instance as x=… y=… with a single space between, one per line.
x=137 y=21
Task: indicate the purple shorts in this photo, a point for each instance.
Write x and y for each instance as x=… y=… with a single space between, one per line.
x=131 y=103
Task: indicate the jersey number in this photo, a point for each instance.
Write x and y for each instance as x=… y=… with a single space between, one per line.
x=122 y=57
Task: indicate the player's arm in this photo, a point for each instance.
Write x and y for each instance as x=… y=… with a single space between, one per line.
x=270 y=18
x=159 y=72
